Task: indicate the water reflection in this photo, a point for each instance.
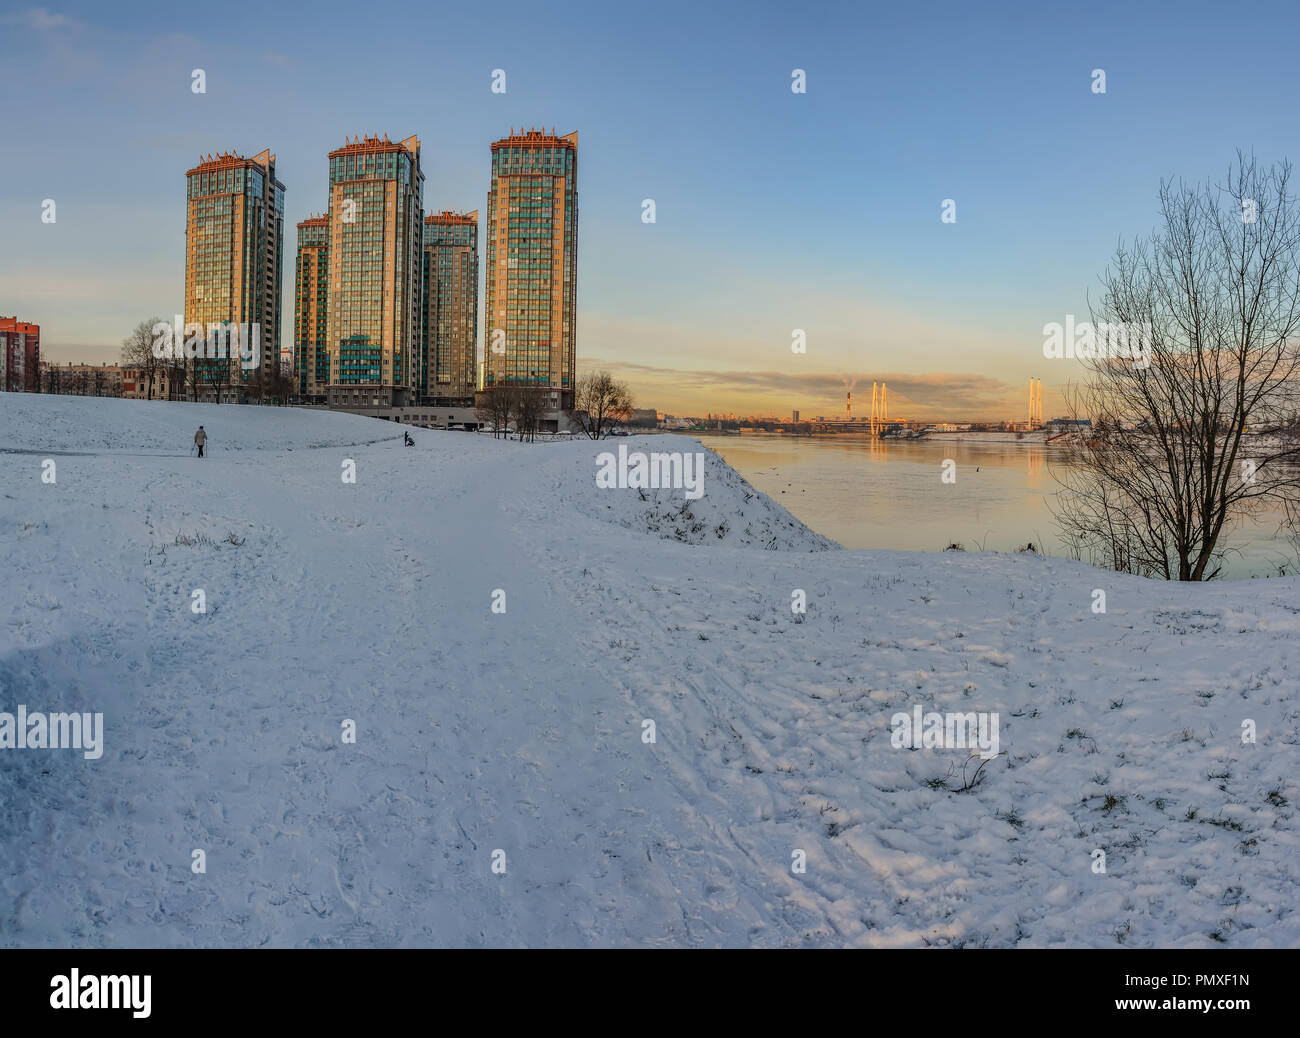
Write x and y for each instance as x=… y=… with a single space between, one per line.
x=872 y=493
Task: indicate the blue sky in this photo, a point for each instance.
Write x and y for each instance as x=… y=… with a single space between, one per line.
x=775 y=211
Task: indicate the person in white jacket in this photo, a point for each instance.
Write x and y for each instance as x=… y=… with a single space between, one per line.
x=200 y=438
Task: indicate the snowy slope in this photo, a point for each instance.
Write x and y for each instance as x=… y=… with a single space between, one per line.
x=730 y=512
x=522 y=731
x=34 y=422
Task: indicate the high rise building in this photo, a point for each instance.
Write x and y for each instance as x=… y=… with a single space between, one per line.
x=375 y=255
x=311 y=358
x=20 y=356
x=234 y=231
x=449 y=313
x=530 y=330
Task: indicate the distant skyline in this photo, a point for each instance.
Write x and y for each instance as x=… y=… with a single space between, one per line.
x=774 y=210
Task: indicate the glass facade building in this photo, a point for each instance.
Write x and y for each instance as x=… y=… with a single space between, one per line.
x=374 y=253
x=449 y=312
x=311 y=358
x=234 y=232
x=531 y=278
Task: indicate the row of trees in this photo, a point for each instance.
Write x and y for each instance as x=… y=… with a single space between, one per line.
x=1199 y=433
x=509 y=408
x=600 y=402
x=78 y=381
x=181 y=378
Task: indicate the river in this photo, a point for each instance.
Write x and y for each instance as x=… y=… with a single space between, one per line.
x=871 y=493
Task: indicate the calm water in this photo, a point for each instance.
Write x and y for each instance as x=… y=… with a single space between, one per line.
x=868 y=493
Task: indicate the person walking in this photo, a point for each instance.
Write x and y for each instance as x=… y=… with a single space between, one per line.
x=200 y=438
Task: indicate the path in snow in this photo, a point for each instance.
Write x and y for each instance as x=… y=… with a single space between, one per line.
x=522 y=731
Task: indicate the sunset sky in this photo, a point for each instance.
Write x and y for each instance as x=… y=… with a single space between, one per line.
x=775 y=211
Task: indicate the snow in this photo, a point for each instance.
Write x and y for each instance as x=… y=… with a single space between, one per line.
x=81 y=424
x=522 y=731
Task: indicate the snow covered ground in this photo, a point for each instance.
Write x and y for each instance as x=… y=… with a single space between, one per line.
x=522 y=731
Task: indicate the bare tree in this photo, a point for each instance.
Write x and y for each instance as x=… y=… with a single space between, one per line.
x=138 y=352
x=1191 y=425
x=275 y=387
x=496 y=406
x=182 y=373
x=212 y=370
x=256 y=388
x=529 y=404
x=283 y=385
x=599 y=401
x=193 y=375
x=174 y=379
x=213 y=374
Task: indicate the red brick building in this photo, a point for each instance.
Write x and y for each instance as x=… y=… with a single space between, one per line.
x=20 y=356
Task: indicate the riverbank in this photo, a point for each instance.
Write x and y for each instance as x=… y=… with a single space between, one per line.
x=890 y=494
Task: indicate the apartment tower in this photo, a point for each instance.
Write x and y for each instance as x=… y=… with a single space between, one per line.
x=234 y=230
x=311 y=358
x=448 y=370
x=20 y=356
x=530 y=330
x=375 y=255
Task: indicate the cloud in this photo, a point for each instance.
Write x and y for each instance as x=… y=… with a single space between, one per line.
x=38 y=19
x=959 y=394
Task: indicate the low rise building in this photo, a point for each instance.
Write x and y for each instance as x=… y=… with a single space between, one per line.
x=81 y=379
x=424 y=416
x=136 y=384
